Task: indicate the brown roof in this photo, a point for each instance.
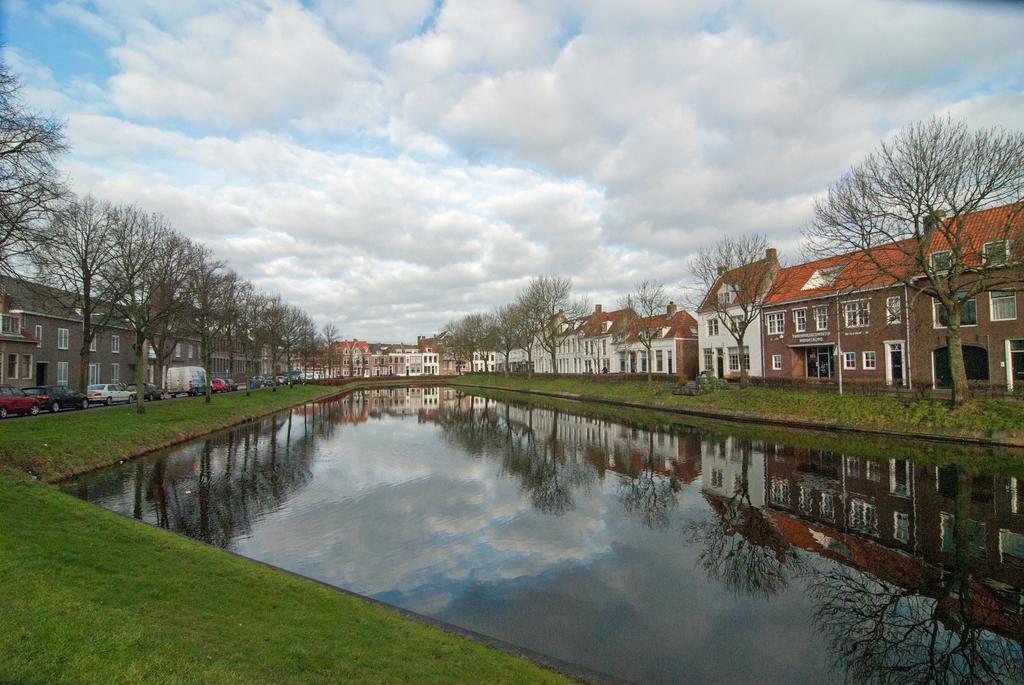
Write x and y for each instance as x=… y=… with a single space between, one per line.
x=750 y=279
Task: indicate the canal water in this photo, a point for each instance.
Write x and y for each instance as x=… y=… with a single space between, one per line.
x=650 y=549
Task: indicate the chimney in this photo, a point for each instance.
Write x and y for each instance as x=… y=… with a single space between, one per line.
x=671 y=309
x=597 y=309
x=772 y=254
x=722 y=270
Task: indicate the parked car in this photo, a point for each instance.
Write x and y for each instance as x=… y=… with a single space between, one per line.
x=150 y=392
x=108 y=393
x=56 y=397
x=218 y=385
x=232 y=385
x=185 y=380
x=14 y=401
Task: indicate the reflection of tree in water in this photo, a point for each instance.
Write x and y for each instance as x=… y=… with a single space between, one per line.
x=929 y=633
x=647 y=494
x=741 y=547
x=236 y=478
x=547 y=471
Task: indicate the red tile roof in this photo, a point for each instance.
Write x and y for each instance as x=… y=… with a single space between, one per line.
x=972 y=231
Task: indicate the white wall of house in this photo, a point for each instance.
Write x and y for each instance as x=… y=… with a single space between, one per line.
x=725 y=343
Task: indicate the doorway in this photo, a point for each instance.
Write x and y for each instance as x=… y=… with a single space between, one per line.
x=820 y=362
x=720 y=362
x=40 y=373
x=894 y=364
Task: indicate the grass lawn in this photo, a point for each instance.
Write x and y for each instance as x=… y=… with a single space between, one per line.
x=89 y=596
x=898 y=414
x=53 y=447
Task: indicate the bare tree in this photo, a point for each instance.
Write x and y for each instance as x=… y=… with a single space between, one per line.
x=29 y=185
x=147 y=268
x=252 y=334
x=204 y=284
x=549 y=303
x=915 y=194
x=330 y=337
x=467 y=337
x=644 y=318
x=509 y=331
x=737 y=274
x=74 y=257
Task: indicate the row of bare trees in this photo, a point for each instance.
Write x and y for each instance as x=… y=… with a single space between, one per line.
x=535 y=322
x=119 y=265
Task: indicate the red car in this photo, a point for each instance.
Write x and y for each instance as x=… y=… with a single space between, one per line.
x=218 y=385
x=14 y=401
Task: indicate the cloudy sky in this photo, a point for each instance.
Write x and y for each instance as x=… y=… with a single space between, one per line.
x=391 y=164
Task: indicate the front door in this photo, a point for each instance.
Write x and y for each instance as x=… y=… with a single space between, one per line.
x=1017 y=363
x=895 y=372
x=721 y=362
x=40 y=373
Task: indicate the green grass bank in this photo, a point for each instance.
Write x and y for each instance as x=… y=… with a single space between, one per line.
x=90 y=596
x=55 y=447
x=979 y=419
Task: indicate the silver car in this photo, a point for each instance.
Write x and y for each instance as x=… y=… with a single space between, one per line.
x=108 y=393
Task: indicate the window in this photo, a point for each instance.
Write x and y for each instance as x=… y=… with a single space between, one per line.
x=115 y=344
x=849 y=360
x=821 y=317
x=901 y=526
x=893 y=309
x=857 y=313
x=94 y=374
x=10 y=324
x=177 y=350
x=115 y=373
x=190 y=351
x=716 y=478
x=712 y=326
x=800 y=320
x=726 y=296
x=995 y=252
x=828 y=508
x=12 y=366
x=734 y=358
x=870 y=361
x=92 y=345
x=776 y=362
x=806 y=499
x=941 y=260
x=864 y=515
x=39 y=336
x=709 y=360
x=62 y=373
x=1004 y=306
x=62 y=338
x=780 y=491
x=776 y=323
x=658 y=360
x=968 y=313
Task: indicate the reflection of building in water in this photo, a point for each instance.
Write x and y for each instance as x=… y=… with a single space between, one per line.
x=892 y=518
x=722 y=463
x=613 y=446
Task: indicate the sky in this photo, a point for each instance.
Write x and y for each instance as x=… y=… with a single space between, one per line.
x=391 y=165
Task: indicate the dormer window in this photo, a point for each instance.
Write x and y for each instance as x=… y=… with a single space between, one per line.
x=822 y=278
x=995 y=252
x=726 y=296
x=941 y=260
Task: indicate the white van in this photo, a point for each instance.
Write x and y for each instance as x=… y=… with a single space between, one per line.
x=185 y=380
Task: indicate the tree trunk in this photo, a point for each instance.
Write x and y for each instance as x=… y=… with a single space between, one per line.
x=650 y=366
x=208 y=363
x=140 y=388
x=957 y=371
x=554 y=359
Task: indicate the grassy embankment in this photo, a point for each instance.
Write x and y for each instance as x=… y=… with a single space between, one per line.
x=924 y=416
x=89 y=596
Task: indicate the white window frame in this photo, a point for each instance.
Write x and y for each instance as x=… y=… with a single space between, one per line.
x=39 y=335
x=775 y=323
x=190 y=350
x=177 y=350
x=95 y=340
x=986 y=259
x=992 y=304
x=776 y=362
x=115 y=344
x=937 y=307
x=62 y=373
x=869 y=363
x=63 y=338
x=932 y=260
x=94 y=374
x=893 y=314
x=820 y=314
x=115 y=373
x=861 y=310
x=849 y=361
x=713 y=326
x=800 y=320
